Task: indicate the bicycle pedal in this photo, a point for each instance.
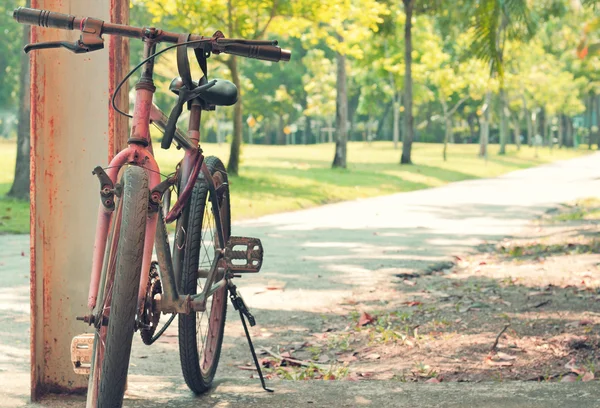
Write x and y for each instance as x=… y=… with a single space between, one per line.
x=243 y=254
x=81 y=353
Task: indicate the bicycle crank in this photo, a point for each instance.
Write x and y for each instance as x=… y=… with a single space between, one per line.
x=243 y=254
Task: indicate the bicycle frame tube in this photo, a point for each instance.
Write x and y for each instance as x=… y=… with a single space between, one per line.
x=139 y=152
x=135 y=154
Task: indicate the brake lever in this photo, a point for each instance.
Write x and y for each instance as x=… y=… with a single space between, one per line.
x=77 y=47
x=90 y=39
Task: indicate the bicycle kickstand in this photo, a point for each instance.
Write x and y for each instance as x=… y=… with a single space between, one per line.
x=240 y=306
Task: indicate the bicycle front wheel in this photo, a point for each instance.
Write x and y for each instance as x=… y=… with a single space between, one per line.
x=201 y=334
x=112 y=342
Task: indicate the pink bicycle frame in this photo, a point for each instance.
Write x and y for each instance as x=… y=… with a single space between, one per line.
x=140 y=153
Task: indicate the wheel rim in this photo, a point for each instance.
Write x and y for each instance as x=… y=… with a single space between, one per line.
x=208 y=323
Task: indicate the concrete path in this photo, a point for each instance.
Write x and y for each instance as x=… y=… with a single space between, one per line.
x=322 y=256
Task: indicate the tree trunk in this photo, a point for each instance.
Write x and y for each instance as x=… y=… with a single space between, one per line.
x=569 y=130
x=281 y=137
x=236 y=143
x=408 y=94
x=484 y=126
x=381 y=123
x=341 y=113
x=517 y=132
x=447 y=136
x=529 y=127
x=307 y=130
x=396 y=132
x=20 y=187
x=590 y=115
x=503 y=122
x=561 y=120
x=471 y=122
x=597 y=134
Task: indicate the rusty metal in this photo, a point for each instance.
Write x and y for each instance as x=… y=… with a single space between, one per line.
x=118 y=58
x=81 y=353
x=151 y=315
x=247 y=259
x=69 y=130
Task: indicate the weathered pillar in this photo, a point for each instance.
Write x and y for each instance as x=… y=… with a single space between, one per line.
x=72 y=130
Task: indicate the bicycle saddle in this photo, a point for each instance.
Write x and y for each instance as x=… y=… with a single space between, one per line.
x=223 y=93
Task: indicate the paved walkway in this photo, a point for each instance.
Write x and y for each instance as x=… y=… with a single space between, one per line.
x=323 y=255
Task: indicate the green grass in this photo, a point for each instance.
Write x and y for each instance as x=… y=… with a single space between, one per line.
x=283 y=178
x=584 y=209
x=14 y=214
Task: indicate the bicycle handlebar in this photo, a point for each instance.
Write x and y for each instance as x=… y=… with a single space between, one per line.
x=44 y=18
x=263 y=50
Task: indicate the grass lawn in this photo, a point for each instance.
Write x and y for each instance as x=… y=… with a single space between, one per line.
x=283 y=178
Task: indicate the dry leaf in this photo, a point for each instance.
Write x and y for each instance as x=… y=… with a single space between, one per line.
x=373 y=356
x=365 y=319
x=348 y=358
x=409 y=282
x=505 y=357
x=569 y=378
x=491 y=362
x=589 y=376
x=586 y=322
x=413 y=303
x=252 y=368
x=573 y=367
x=433 y=381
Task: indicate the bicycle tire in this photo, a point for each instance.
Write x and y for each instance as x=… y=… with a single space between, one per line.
x=199 y=366
x=109 y=367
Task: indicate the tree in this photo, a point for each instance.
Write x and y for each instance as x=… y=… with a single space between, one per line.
x=20 y=186
x=495 y=22
x=238 y=19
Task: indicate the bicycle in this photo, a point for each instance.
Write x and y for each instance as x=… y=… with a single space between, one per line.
x=128 y=290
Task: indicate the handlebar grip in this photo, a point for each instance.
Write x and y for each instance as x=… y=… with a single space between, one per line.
x=171 y=127
x=44 y=18
x=262 y=52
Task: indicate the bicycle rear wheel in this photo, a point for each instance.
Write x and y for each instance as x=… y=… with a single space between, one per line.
x=112 y=342
x=201 y=334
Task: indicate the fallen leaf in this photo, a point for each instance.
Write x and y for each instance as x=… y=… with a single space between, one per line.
x=433 y=380
x=589 y=376
x=573 y=367
x=483 y=263
x=348 y=358
x=489 y=361
x=585 y=322
x=247 y=368
x=569 y=378
x=409 y=282
x=413 y=303
x=505 y=357
x=373 y=356
x=286 y=354
x=366 y=374
x=365 y=319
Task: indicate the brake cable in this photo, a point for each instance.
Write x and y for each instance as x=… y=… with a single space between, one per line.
x=138 y=66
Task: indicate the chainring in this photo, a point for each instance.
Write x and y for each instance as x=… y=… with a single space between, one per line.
x=150 y=317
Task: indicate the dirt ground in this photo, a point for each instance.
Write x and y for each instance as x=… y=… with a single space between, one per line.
x=526 y=308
